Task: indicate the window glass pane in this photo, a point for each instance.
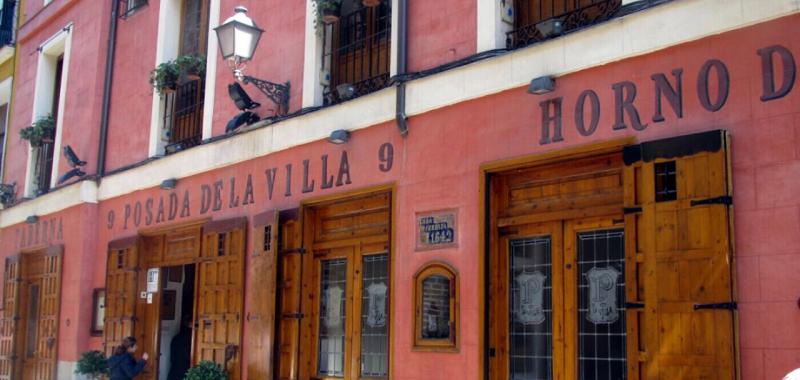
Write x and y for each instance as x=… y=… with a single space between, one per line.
x=531 y=323
x=374 y=316
x=33 y=318
x=436 y=307
x=332 y=317
x=601 y=307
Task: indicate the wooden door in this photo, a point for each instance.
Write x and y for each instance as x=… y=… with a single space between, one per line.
x=9 y=352
x=528 y=333
x=290 y=272
x=122 y=272
x=346 y=287
x=219 y=299
x=678 y=200
x=261 y=285
x=42 y=303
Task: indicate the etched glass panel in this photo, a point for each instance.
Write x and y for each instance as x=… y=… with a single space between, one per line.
x=332 y=317
x=531 y=323
x=601 y=305
x=374 y=316
x=436 y=307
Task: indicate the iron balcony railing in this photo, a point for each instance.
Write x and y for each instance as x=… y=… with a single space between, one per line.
x=538 y=20
x=357 y=52
x=43 y=168
x=183 y=115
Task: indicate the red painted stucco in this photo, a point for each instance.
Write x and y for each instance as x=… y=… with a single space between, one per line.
x=440 y=32
x=437 y=166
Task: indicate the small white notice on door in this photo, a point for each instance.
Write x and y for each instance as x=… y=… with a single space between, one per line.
x=152 y=280
x=149 y=298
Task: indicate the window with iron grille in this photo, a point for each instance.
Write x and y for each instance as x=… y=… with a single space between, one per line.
x=356 y=50
x=538 y=20
x=7 y=21
x=44 y=153
x=129 y=7
x=183 y=108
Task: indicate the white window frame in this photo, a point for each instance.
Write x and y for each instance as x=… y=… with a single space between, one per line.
x=167 y=48
x=312 y=58
x=5 y=98
x=58 y=44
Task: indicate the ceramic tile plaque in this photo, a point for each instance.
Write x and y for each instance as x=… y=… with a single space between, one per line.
x=436 y=229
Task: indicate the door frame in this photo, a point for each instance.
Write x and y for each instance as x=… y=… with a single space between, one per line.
x=487 y=224
x=391 y=189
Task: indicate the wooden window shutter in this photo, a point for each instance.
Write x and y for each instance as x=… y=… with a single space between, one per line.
x=122 y=272
x=220 y=297
x=679 y=260
x=261 y=287
x=10 y=316
x=290 y=252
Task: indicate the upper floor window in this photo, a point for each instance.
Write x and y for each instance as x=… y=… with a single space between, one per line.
x=183 y=108
x=48 y=104
x=7 y=21
x=128 y=7
x=356 y=49
x=538 y=20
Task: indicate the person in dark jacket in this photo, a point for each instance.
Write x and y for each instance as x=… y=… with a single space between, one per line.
x=122 y=365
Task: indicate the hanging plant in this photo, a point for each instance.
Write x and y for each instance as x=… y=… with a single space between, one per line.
x=328 y=11
x=192 y=67
x=206 y=370
x=164 y=77
x=93 y=365
x=371 y=3
x=42 y=130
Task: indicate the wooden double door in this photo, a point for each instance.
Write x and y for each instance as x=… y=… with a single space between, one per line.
x=217 y=251
x=614 y=265
x=29 y=327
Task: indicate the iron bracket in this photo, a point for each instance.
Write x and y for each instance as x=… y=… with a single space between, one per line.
x=631 y=210
x=278 y=93
x=716 y=306
x=725 y=200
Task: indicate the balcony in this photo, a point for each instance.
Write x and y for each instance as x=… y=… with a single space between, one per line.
x=183 y=115
x=357 y=53
x=538 y=20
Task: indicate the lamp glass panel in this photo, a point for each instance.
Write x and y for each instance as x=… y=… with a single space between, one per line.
x=244 y=43
x=225 y=35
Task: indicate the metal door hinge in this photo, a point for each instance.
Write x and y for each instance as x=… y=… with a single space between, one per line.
x=716 y=306
x=492 y=352
x=631 y=210
x=293 y=251
x=725 y=200
x=634 y=305
x=292 y=315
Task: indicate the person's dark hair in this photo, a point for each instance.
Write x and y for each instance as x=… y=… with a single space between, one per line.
x=126 y=344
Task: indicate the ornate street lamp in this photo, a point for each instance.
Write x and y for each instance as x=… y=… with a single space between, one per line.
x=238 y=37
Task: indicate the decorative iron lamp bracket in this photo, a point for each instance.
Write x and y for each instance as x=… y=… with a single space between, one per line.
x=278 y=93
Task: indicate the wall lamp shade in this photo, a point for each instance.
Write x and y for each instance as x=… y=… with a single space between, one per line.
x=339 y=136
x=169 y=184
x=542 y=85
x=238 y=36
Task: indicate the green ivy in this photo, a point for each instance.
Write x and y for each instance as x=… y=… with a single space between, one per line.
x=93 y=364
x=206 y=370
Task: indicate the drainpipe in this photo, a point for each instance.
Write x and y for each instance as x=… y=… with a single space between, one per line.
x=112 y=43
x=402 y=45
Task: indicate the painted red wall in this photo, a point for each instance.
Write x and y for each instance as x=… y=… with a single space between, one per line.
x=766 y=174
x=440 y=32
x=131 y=93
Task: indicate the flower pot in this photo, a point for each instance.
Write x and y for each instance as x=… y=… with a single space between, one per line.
x=329 y=15
x=371 y=3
